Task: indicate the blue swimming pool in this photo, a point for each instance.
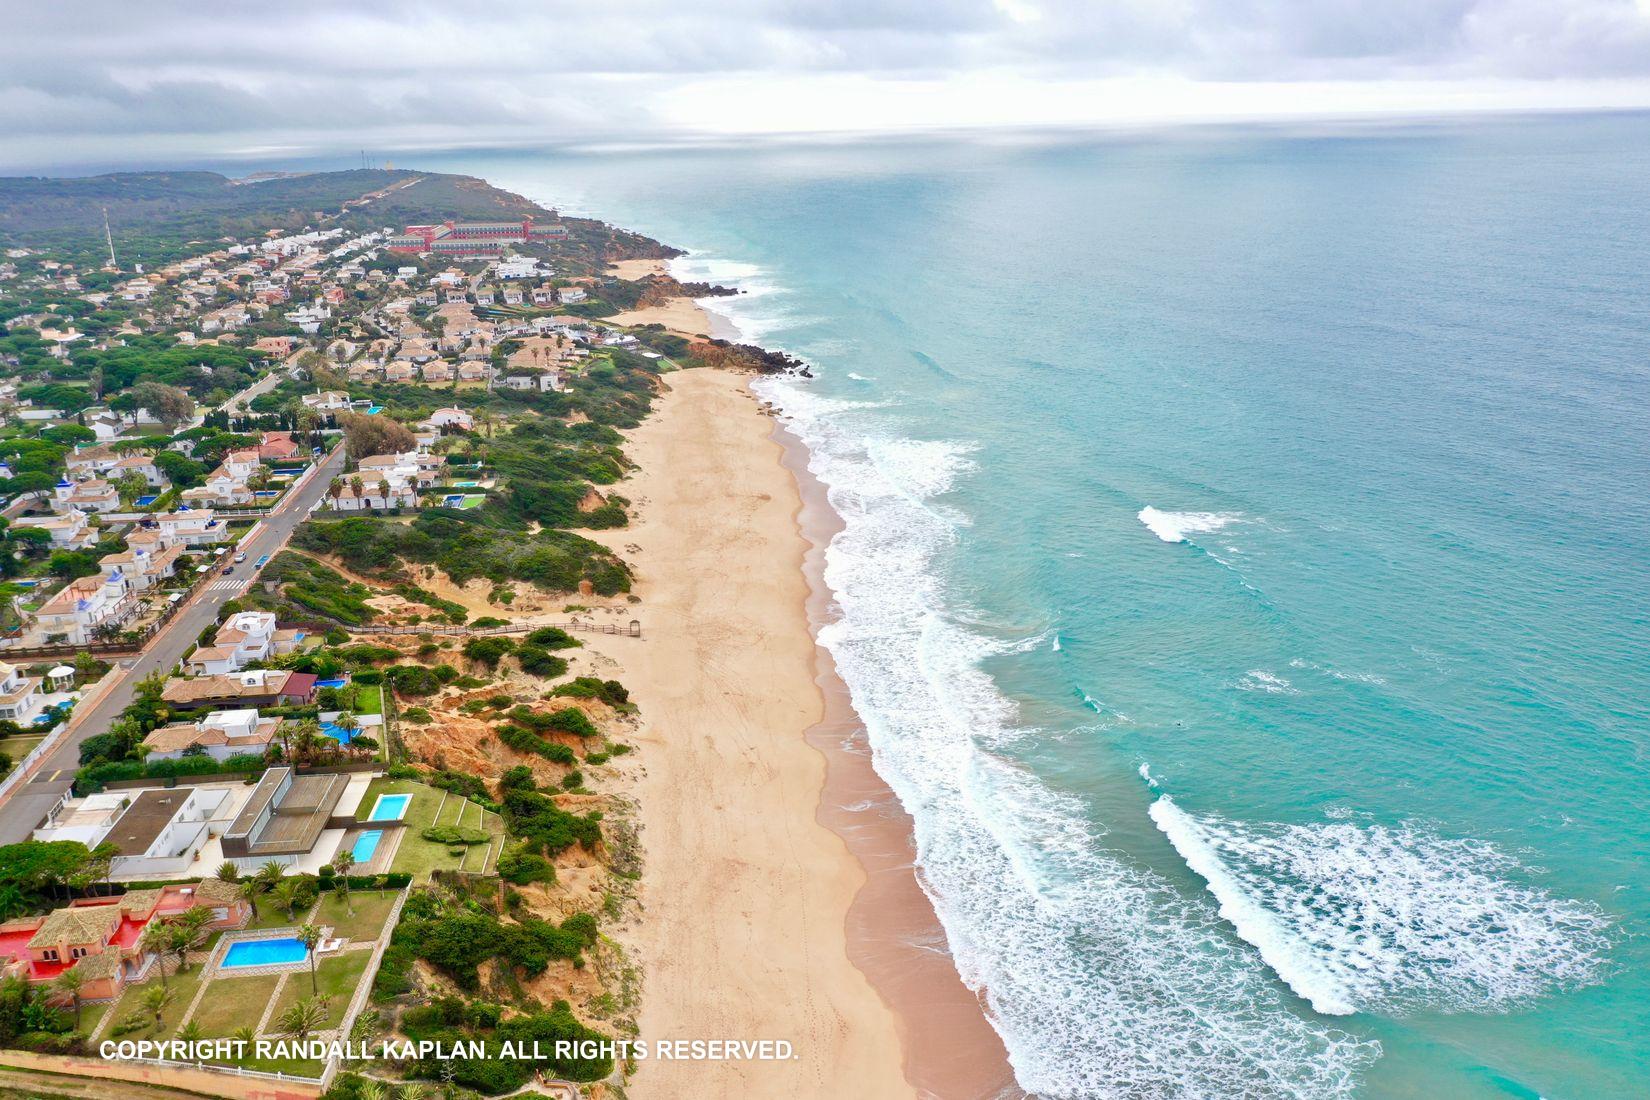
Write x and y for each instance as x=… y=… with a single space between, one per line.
x=375 y=410
x=365 y=845
x=389 y=807
x=453 y=501
x=338 y=734
x=144 y=502
x=264 y=953
x=334 y=683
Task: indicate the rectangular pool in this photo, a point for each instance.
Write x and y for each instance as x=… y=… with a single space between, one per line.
x=336 y=683
x=365 y=845
x=264 y=953
x=389 y=807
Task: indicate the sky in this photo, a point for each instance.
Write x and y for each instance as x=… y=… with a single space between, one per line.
x=126 y=82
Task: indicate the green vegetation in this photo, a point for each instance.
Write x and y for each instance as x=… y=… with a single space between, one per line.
x=465 y=548
x=430 y=809
x=307 y=589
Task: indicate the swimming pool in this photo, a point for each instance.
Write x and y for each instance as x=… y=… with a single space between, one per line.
x=144 y=502
x=335 y=683
x=389 y=807
x=453 y=501
x=365 y=845
x=337 y=733
x=264 y=953
x=375 y=410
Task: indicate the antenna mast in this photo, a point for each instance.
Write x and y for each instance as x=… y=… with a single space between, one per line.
x=109 y=236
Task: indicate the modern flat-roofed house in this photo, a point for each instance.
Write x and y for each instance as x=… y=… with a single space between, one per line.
x=220 y=735
x=155 y=831
x=254 y=688
x=20 y=696
x=285 y=816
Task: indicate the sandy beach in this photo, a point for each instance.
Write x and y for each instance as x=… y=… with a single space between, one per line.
x=681 y=316
x=746 y=894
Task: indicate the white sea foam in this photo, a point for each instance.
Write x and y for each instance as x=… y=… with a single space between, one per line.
x=1258 y=679
x=1394 y=920
x=760 y=307
x=1176 y=526
x=1102 y=977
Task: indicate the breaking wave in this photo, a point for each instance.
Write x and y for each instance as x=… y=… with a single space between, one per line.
x=1395 y=920
x=1103 y=978
x=1176 y=526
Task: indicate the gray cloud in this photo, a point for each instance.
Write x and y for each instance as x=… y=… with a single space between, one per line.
x=111 y=78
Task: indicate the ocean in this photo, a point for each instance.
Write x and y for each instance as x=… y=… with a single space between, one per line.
x=1243 y=577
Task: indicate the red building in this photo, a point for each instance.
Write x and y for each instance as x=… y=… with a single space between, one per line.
x=473 y=238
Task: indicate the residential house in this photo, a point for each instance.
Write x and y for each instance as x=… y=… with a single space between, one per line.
x=143 y=465
x=437 y=371
x=255 y=688
x=102 y=937
x=20 y=696
x=86 y=608
x=245 y=637
x=278 y=447
x=69 y=531
x=191 y=527
x=449 y=417
x=326 y=400
x=144 y=568
x=220 y=735
x=96 y=496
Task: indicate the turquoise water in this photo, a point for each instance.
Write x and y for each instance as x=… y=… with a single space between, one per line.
x=389 y=807
x=365 y=845
x=1243 y=576
x=264 y=953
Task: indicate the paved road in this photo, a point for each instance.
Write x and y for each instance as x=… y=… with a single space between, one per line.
x=27 y=805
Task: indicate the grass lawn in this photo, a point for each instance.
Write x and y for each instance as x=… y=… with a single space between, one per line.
x=369 y=699
x=234 y=1003
x=372 y=909
x=183 y=988
x=19 y=747
x=336 y=977
x=271 y=915
x=415 y=855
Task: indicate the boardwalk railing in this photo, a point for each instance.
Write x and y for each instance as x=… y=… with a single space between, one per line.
x=632 y=629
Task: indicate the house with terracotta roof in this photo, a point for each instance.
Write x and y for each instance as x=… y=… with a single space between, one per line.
x=220 y=735
x=143 y=465
x=142 y=566
x=245 y=637
x=68 y=531
x=87 y=607
x=278 y=447
x=94 y=496
x=101 y=937
x=191 y=527
x=253 y=688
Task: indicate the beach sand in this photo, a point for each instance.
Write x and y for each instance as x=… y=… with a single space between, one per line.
x=681 y=316
x=759 y=919
x=745 y=892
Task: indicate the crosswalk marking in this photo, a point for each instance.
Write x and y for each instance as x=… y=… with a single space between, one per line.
x=223 y=586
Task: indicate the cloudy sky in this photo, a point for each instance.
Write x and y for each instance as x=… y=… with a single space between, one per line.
x=116 y=81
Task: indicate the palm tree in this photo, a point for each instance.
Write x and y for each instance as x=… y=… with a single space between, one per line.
x=157 y=938
x=310 y=937
x=373 y=1090
x=305 y=736
x=191 y=1032
x=71 y=982
x=187 y=932
x=228 y=872
x=308 y=1015
x=156 y=998
x=286 y=896
x=341 y=863
x=246 y=1034
x=249 y=891
x=271 y=872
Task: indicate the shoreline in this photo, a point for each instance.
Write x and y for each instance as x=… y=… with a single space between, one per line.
x=745 y=895
x=894 y=936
